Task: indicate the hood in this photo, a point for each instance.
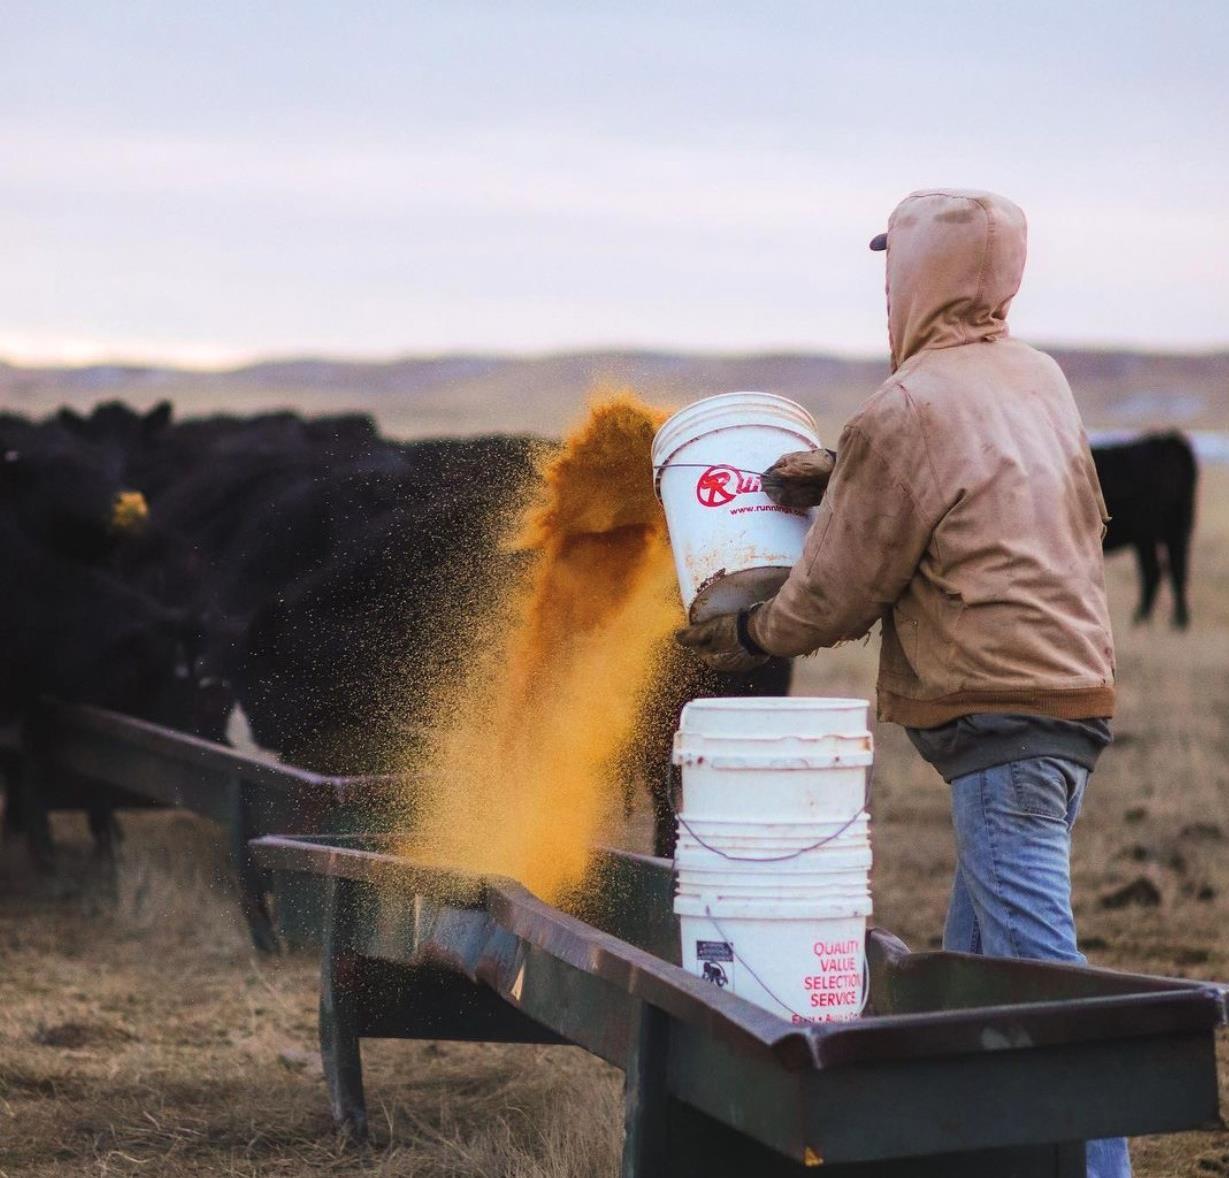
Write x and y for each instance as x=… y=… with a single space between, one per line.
x=955 y=260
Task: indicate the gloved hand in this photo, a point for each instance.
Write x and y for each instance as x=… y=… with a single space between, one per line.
x=724 y=643
x=799 y=479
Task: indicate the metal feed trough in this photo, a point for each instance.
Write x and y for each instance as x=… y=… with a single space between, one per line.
x=963 y=1065
x=84 y=758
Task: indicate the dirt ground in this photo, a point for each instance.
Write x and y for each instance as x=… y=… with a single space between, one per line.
x=140 y=1035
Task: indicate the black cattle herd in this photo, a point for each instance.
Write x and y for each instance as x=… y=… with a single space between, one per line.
x=324 y=578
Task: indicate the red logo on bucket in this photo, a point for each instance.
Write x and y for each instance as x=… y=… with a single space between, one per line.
x=719 y=485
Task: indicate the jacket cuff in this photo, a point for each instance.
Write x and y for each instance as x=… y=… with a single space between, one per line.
x=745 y=638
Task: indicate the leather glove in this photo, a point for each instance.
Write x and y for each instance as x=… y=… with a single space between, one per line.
x=724 y=643
x=799 y=479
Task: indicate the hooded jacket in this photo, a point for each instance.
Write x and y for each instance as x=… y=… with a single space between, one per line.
x=964 y=510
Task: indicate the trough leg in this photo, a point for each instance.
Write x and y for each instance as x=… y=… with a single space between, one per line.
x=645 y=1146
x=339 y=1038
x=250 y=878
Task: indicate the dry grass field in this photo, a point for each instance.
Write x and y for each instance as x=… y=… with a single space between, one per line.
x=140 y=1035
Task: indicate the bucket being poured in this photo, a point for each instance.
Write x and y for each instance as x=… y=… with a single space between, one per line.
x=774 y=857
x=732 y=545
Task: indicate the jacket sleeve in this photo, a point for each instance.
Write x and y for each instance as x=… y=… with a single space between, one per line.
x=862 y=550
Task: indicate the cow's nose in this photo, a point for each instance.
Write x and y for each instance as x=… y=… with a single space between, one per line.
x=129 y=511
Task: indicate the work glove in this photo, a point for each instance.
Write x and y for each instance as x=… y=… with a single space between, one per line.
x=799 y=479
x=724 y=643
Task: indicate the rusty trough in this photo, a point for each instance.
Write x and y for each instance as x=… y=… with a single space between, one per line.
x=962 y=1066
x=85 y=758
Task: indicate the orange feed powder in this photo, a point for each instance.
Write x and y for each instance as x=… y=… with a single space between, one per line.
x=521 y=754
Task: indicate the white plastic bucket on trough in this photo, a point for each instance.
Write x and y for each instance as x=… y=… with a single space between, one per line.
x=801 y=959
x=774 y=760
x=774 y=851
x=732 y=545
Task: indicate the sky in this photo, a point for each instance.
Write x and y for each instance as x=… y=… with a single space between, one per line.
x=208 y=182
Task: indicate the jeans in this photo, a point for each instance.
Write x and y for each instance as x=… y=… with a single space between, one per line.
x=1011 y=896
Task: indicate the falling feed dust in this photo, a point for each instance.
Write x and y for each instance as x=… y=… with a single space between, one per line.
x=521 y=752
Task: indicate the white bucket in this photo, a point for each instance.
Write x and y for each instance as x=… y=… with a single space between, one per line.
x=774 y=851
x=732 y=545
x=774 y=760
x=801 y=959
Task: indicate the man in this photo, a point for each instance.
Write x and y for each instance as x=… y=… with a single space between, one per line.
x=963 y=512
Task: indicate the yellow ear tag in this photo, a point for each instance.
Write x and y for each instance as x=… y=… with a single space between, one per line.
x=129 y=511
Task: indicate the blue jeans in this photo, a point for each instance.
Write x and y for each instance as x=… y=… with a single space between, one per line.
x=1011 y=896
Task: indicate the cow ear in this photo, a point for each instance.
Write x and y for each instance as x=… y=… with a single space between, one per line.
x=157 y=419
x=70 y=419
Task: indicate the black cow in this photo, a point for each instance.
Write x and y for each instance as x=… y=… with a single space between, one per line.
x=327 y=572
x=71 y=627
x=68 y=520
x=341 y=663
x=1149 y=487
x=66 y=496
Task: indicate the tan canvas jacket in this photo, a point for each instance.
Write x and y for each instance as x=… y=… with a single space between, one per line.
x=964 y=511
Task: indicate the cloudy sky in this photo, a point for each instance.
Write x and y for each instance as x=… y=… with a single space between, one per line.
x=208 y=181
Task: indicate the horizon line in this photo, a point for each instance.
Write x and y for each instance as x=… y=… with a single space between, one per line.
x=242 y=360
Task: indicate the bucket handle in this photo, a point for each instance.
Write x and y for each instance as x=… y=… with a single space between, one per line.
x=865 y=807
x=866 y=973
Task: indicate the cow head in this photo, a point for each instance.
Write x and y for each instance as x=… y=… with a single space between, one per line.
x=69 y=497
x=168 y=666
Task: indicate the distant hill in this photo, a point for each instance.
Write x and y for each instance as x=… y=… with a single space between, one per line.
x=471 y=393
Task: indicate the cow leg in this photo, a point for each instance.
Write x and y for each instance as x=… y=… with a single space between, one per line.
x=104 y=829
x=1177 y=546
x=14 y=818
x=1149 y=576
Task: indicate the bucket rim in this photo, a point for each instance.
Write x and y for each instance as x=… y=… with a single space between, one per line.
x=856 y=834
x=855 y=881
x=749 y=868
x=743 y=909
x=784 y=703
x=666 y=445
x=698 y=853
x=716 y=898
x=802 y=839
x=853 y=844
x=858 y=817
